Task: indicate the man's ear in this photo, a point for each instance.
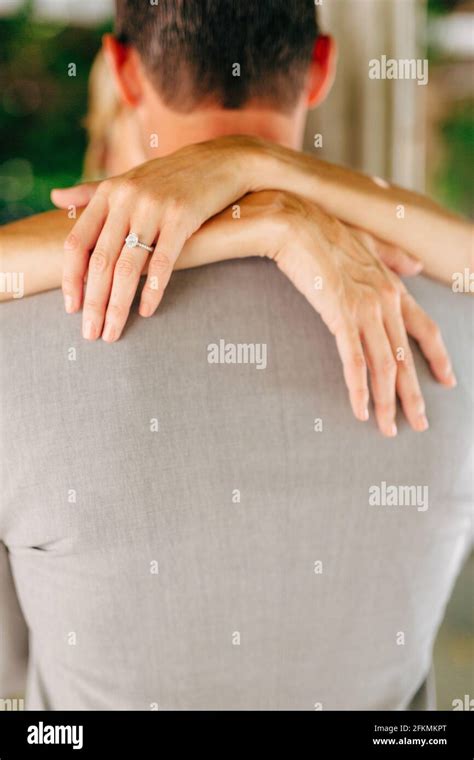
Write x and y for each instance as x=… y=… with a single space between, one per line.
x=126 y=69
x=322 y=70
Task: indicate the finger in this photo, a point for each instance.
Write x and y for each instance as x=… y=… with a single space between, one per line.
x=170 y=243
x=78 y=195
x=126 y=278
x=427 y=333
x=383 y=372
x=355 y=370
x=398 y=260
x=100 y=273
x=77 y=247
x=408 y=387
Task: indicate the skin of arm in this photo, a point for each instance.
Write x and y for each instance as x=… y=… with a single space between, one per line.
x=166 y=200
x=364 y=305
x=441 y=240
x=33 y=247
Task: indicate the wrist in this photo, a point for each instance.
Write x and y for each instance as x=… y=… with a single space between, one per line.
x=280 y=168
x=251 y=160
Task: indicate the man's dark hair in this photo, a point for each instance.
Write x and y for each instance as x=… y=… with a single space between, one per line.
x=190 y=49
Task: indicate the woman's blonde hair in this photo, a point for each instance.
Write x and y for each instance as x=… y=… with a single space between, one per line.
x=103 y=111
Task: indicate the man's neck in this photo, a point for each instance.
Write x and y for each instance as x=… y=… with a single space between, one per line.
x=173 y=130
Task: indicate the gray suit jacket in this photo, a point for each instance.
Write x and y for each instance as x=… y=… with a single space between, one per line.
x=196 y=535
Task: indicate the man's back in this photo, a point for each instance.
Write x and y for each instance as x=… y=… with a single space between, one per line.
x=199 y=535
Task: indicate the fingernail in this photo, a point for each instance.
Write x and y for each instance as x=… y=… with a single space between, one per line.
x=364 y=415
x=423 y=423
x=451 y=378
x=393 y=430
x=68 y=304
x=145 y=310
x=88 y=331
x=110 y=333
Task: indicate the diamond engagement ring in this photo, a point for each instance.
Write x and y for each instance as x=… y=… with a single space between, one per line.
x=132 y=241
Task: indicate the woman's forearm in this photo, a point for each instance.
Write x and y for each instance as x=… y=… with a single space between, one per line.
x=32 y=249
x=201 y=180
x=442 y=241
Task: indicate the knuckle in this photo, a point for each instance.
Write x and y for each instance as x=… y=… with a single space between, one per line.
x=372 y=304
x=415 y=399
x=346 y=307
x=175 y=210
x=72 y=242
x=98 y=262
x=386 y=367
x=126 y=187
x=90 y=304
x=126 y=267
x=407 y=363
x=360 y=394
x=116 y=311
x=69 y=283
x=159 y=263
x=385 y=408
x=389 y=292
x=149 y=200
x=105 y=187
x=357 y=361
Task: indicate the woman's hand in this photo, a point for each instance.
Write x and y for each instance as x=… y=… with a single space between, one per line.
x=365 y=306
x=164 y=202
x=368 y=310
x=336 y=268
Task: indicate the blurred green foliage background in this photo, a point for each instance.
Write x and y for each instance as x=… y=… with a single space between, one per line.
x=42 y=108
x=453 y=182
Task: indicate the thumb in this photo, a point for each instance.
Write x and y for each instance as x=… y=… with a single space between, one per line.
x=398 y=260
x=77 y=195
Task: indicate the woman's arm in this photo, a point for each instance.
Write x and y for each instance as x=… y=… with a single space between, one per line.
x=34 y=248
x=363 y=304
x=441 y=240
x=185 y=189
